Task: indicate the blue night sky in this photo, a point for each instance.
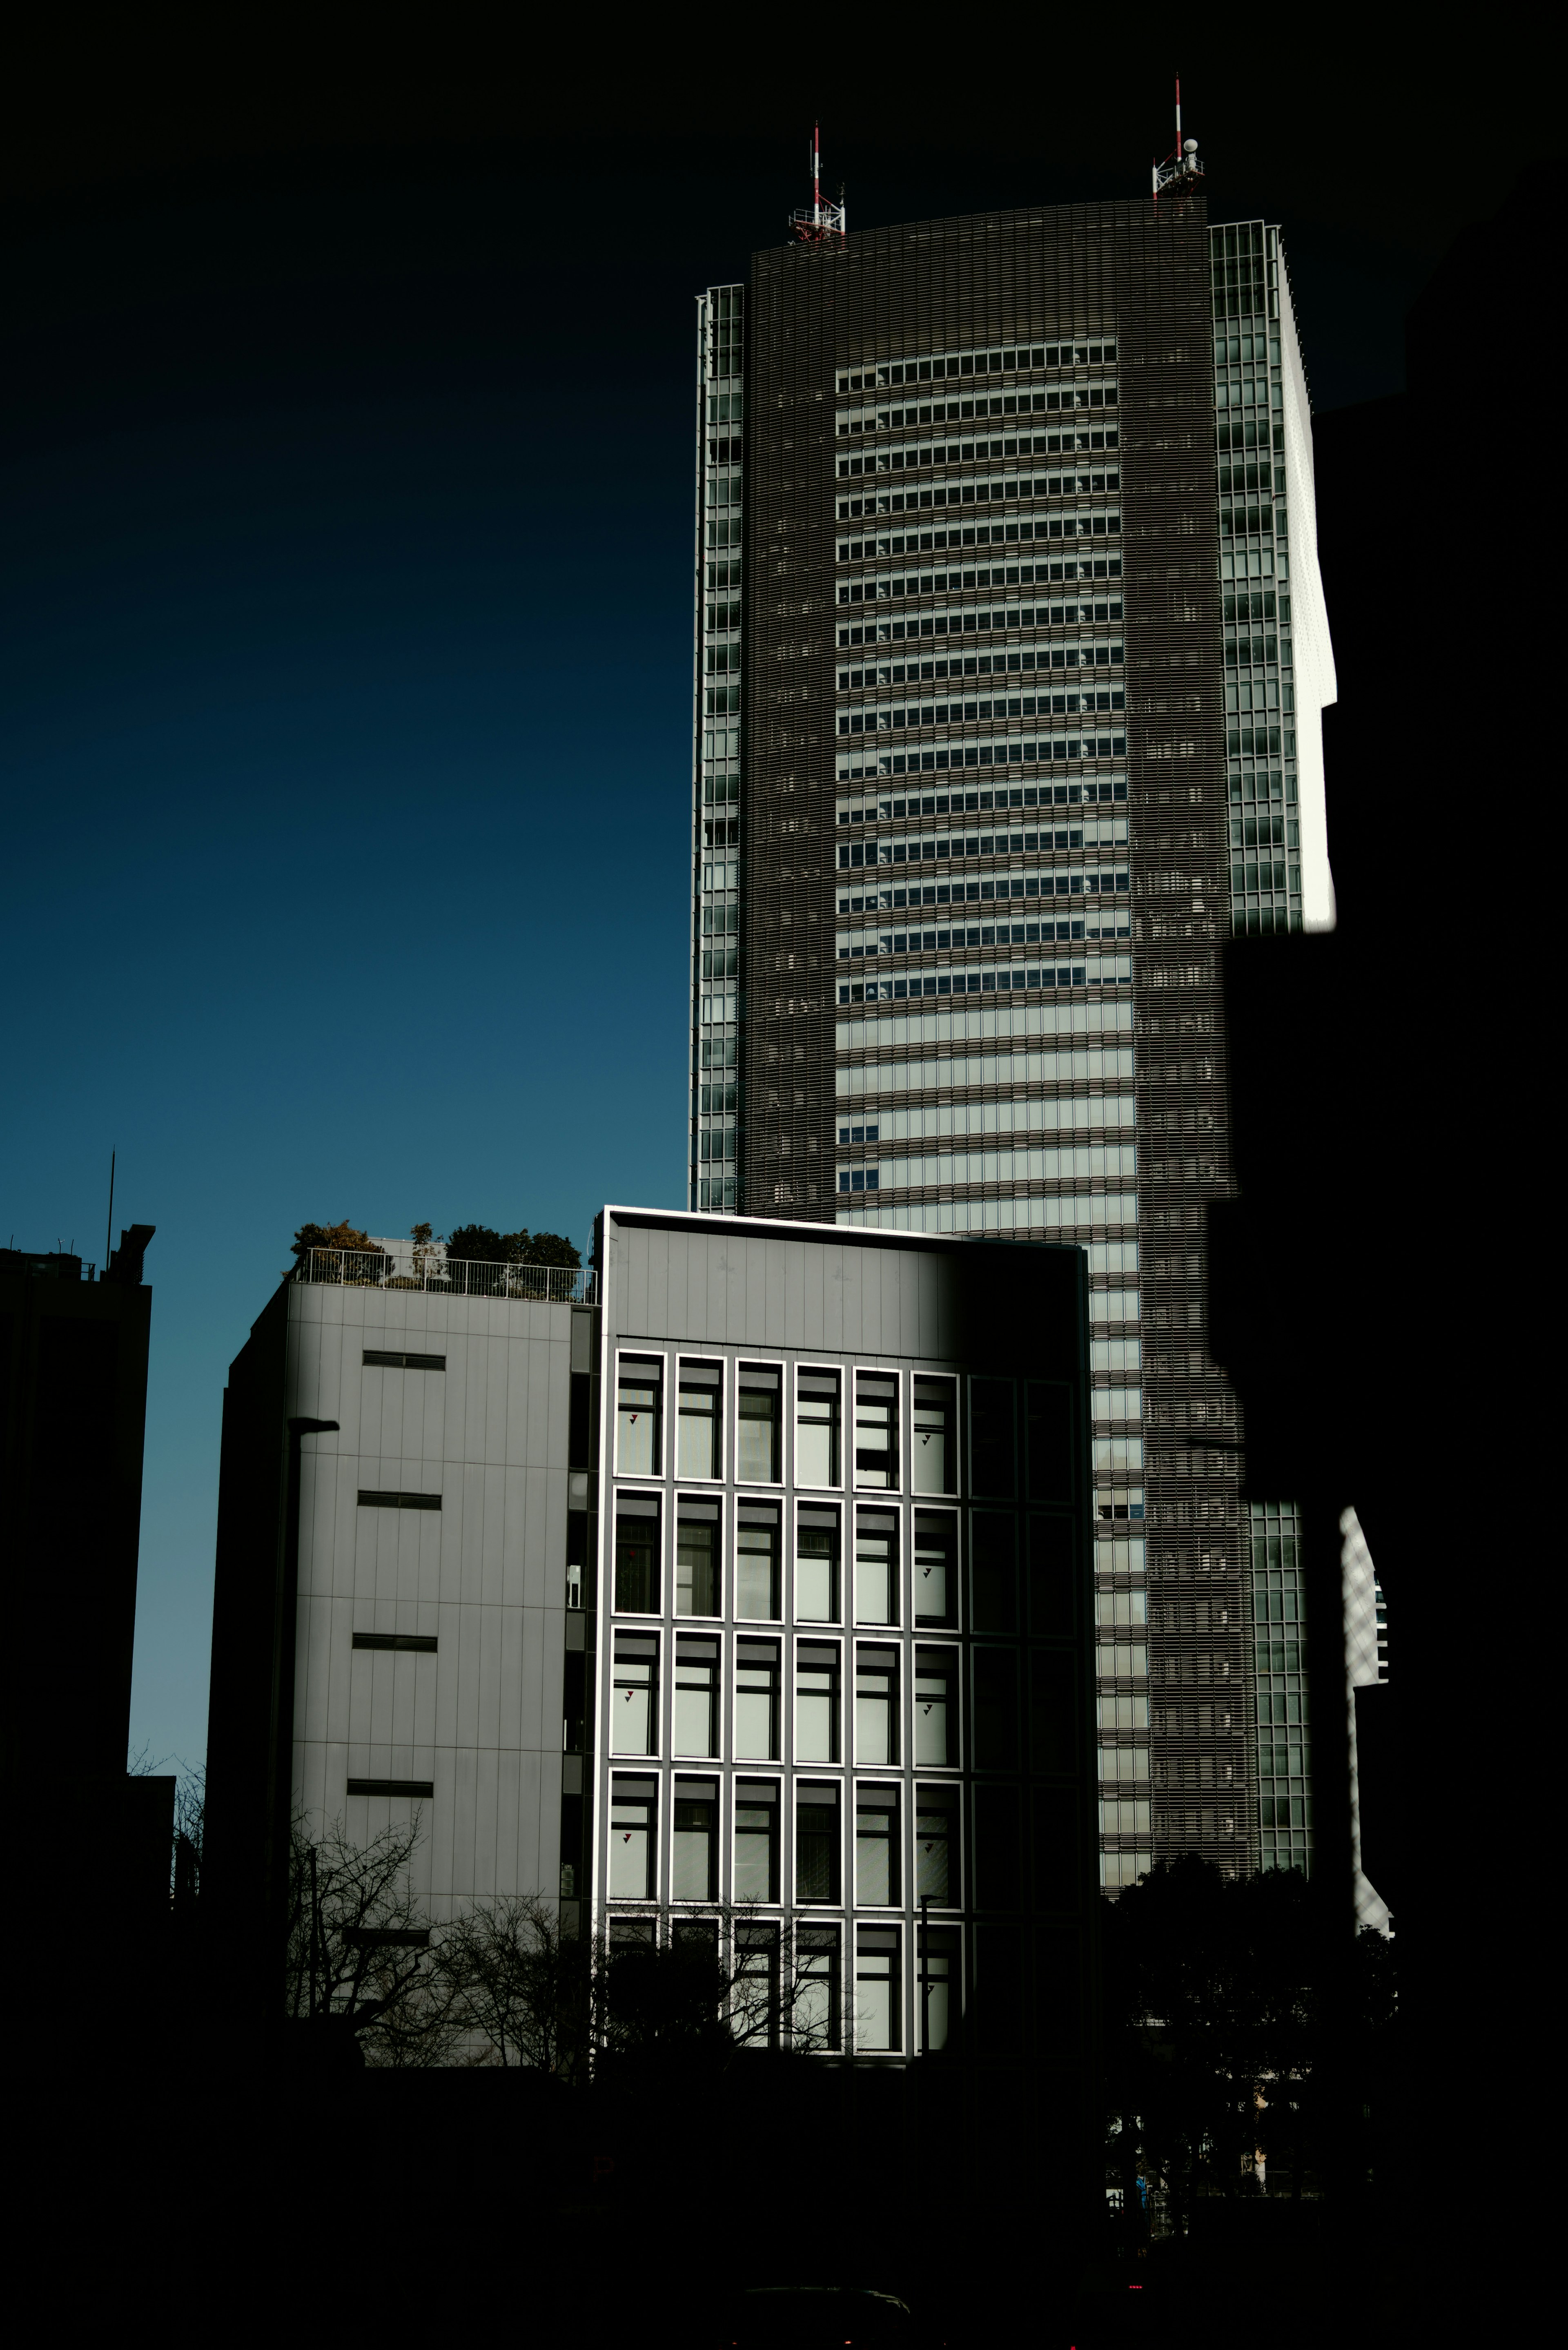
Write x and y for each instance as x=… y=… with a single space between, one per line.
x=344 y=727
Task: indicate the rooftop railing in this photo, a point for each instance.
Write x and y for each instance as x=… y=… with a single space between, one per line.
x=406 y=1265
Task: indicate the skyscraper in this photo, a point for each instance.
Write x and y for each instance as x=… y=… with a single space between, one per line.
x=969 y=600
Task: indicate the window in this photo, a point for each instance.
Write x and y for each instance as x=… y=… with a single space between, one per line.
x=696 y=1697
x=638 y=1446
x=876 y=1430
x=877 y=1847
x=817 y=1567
x=631 y=1838
x=936 y=1573
x=816 y=1427
x=876 y=1986
x=817 y=2020
x=936 y=1845
x=936 y=1744
x=877 y=1706
x=757 y=1701
x=755 y=1995
x=875 y=1566
x=990 y=1435
x=815 y=1843
x=634 y=1722
x=935 y=1455
x=939 y=1980
x=757 y=1562
x=756 y=1840
x=757 y=1427
x=815 y=1704
x=378 y=1357
x=697 y=1558
x=694 y=1841
x=636 y=1554
x=993 y=1572
x=699 y=1447
x=1050 y=1441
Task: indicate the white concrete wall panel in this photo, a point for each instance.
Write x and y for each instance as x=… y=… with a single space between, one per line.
x=484 y=1575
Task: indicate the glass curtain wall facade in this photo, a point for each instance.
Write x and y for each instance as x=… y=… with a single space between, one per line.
x=992 y=778
x=716 y=1077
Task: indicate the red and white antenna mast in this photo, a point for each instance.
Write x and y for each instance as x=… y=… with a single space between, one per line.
x=1181 y=167
x=822 y=223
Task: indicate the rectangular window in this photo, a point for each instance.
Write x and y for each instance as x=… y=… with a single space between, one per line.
x=936 y=1845
x=996 y=1708
x=631 y=1838
x=991 y=1436
x=1052 y=1596
x=818 y=2021
x=757 y=1701
x=935 y=1726
x=756 y=1840
x=877 y=2001
x=639 y=1449
x=877 y=1706
x=696 y=1557
x=876 y=1430
x=815 y=1843
x=699 y=1451
x=993 y=1572
x=938 y=1970
x=757 y=1426
x=1050 y=1441
x=636 y=1554
x=754 y=2000
x=875 y=1566
x=816 y=1427
x=815 y=1703
x=936 y=1567
x=634 y=1720
x=696 y=1697
x=757 y=1562
x=694 y=1841
x=817 y=1567
x=378 y=1357
x=876 y=1847
x=934 y=1452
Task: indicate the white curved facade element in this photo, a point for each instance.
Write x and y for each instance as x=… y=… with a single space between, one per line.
x=1315 y=685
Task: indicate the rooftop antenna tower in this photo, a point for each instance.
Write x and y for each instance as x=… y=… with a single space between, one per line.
x=1181 y=170
x=818 y=224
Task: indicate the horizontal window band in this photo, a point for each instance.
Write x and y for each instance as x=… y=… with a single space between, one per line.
x=1007 y=752
x=1107 y=970
x=417 y=1644
x=942 y=365
x=379 y=1358
x=415 y=1787
x=878 y=588
x=1059 y=529
x=387 y=1938
x=370 y=1499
